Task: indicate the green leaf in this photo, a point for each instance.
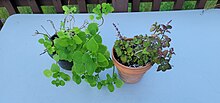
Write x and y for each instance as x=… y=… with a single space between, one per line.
x=86 y=58
x=91 y=17
x=48 y=73
x=103 y=64
x=76 y=78
x=60 y=34
x=53 y=82
x=55 y=68
x=77 y=56
x=169 y=27
x=61 y=42
x=64 y=76
x=56 y=75
x=73 y=9
x=62 y=83
x=93 y=28
x=111 y=87
x=101 y=58
x=82 y=36
x=56 y=57
x=123 y=59
x=99 y=86
x=119 y=83
x=77 y=39
x=98 y=38
x=89 y=64
x=90 y=67
x=65 y=8
x=76 y=30
x=129 y=49
x=107 y=54
x=102 y=48
x=79 y=68
x=92 y=45
x=91 y=80
x=109 y=79
x=41 y=41
x=57 y=82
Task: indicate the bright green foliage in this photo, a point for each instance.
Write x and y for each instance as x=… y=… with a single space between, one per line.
x=146 y=49
x=60 y=77
x=55 y=68
x=48 y=73
x=101 y=9
x=83 y=47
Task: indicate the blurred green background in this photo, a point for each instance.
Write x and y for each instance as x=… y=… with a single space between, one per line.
x=144 y=7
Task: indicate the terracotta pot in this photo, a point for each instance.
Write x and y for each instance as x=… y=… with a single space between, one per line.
x=130 y=74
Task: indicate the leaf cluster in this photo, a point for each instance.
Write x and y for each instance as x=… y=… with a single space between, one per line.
x=143 y=49
x=84 y=48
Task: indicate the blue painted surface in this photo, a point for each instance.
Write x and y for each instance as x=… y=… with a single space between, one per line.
x=194 y=79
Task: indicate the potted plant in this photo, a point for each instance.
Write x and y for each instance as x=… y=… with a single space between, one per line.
x=134 y=56
x=80 y=49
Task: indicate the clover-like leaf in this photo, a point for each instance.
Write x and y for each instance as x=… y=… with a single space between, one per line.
x=76 y=78
x=77 y=56
x=93 y=28
x=79 y=68
x=77 y=39
x=92 y=45
x=101 y=58
x=91 y=17
x=56 y=57
x=48 y=73
x=41 y=41
x=55 y=68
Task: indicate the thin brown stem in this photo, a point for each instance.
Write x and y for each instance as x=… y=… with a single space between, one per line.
x=51 y=22
x=45 y=30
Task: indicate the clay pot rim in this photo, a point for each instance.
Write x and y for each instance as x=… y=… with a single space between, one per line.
x=126 y=67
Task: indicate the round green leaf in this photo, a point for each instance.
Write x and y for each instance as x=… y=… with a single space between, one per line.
x=98 y=38
x=41 y=41
x=55 y=68
x=101 y=58
x=93 y=28
x=56 y=57
x=48 y=73
x=76 y=78
x=62 y=83
x=79 y=68
x=77 y=56
x=77 y=39
x=91 y=17
x=92 y=45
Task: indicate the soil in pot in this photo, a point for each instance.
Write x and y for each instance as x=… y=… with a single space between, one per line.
x=129 y=74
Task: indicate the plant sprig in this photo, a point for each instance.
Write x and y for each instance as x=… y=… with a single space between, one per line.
x=83 y=47
x=143 y=49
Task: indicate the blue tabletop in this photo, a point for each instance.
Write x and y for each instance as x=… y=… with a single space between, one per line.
x=194 y=78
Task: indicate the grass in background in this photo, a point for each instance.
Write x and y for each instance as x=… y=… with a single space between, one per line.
x=166 y=6
x=144 y=6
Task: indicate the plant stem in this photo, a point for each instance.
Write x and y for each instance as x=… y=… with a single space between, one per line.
x=51 y=22
x=45 y=31
x=102 y=22
x=113 y=70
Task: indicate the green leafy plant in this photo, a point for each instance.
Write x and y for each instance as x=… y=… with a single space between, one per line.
x=83 y=47
x=143 y=49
